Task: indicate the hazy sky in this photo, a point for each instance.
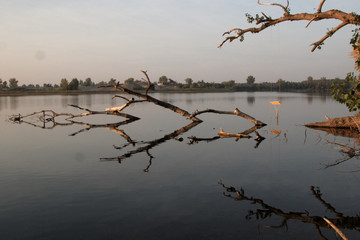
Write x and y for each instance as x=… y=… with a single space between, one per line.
x=43 y=41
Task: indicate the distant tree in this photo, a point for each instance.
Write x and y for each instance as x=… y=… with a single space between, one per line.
x=101 y=83
x=280 y=81
x=5 y=84
x=47 y=85
x=74 y=84
x=87 y=82
x=64 y=83
x=163 y=80
x=310 y=79
x=56 y=86
x=13 y=83
x=129 y=81
x=250 y=80
x=229 y=84
x=188 y=81
x=112 y=82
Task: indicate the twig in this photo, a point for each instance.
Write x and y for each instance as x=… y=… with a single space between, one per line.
x=336 y=229
x=286 y=9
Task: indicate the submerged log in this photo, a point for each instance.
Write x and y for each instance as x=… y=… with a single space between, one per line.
x=342 y=122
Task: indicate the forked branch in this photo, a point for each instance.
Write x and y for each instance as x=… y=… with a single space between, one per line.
x=265 y=22
x=286 y=9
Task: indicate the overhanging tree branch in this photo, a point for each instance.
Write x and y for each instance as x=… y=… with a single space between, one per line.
x=265 y=22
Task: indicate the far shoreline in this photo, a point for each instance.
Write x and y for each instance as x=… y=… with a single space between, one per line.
x=14 y=93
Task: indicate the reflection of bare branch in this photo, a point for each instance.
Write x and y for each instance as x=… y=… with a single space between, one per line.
x=349 y=152
x=196 y=140
x=110 y=126
x=222 y=134
x=153 y=143
x=150 y=161
x=47 y=117
x=340 y=221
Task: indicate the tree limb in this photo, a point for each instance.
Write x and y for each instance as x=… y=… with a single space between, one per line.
x=265 y=22
x=236 y=112
x=320 y=6
x=158 y=102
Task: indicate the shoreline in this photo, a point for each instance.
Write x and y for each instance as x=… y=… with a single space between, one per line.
x=108 y=91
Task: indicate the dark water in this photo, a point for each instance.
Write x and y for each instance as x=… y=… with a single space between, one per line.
x=68 y=183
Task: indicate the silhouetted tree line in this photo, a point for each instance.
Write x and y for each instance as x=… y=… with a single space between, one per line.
x=164 y=83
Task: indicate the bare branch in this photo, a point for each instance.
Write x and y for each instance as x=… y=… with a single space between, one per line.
x=286 y=9
x=236 y=112
x=160 y=103
x=320 y=6
x=329 y=34
x=148 y=81
x=345 y=18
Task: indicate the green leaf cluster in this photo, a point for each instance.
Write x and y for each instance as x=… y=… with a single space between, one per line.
x=348 y=92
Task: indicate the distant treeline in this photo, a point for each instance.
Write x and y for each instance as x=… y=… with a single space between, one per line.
x=164 y=83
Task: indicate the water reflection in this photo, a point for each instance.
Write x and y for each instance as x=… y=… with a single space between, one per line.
x=309 y=99
x=250 y=100
x=149 y=145
x=14 y=102
x=320 y=222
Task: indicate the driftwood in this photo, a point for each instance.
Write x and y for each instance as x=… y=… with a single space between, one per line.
x=338 y=222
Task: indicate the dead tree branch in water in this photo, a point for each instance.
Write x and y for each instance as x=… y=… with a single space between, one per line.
x=50 y=116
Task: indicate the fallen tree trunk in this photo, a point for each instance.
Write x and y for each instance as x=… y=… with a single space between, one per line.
x=342 y=122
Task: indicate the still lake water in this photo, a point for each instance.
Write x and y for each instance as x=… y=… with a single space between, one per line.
x=64 y=183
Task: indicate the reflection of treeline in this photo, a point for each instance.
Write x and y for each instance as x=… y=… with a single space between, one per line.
x=164 y=83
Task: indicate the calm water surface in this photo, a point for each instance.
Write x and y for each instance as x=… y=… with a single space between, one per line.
x=77 y=182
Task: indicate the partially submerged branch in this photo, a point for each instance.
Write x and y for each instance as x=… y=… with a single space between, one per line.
x=236 y=112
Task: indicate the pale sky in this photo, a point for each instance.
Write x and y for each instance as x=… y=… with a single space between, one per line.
x=43 y=41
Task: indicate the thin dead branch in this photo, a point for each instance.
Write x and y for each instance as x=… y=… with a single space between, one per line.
x=286 y=9
x=236 y=112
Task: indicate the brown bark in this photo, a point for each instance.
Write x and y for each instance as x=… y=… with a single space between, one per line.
x=160 y=103
x=345 y=18
x=236 y=112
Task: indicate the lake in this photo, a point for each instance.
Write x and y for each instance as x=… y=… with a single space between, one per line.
x=78 y=181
